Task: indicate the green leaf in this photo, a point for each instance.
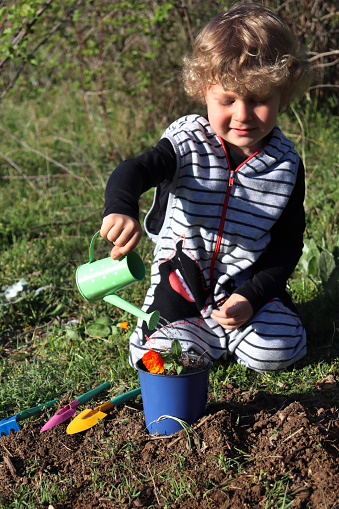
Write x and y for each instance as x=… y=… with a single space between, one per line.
x=332 y=285
x=72 y=334
x=176 y=348
x=309 y=245
x=105 y=320
x=180 y=367
x=312 y=266
x=98 y=330
x=326 y=266
x=57 y=310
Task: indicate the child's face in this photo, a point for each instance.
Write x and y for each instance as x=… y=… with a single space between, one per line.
x=242 y=122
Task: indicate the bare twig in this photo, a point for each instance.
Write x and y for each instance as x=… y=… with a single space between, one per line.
x=46 y=325
x=82 y=67
x=101 y=60
x=293 y=434
x=10 y=465
x=155 y=488
x=187 y=19
x=72 y=450
x=323 y=86
x=65 y=223
x=5 y=17
x=328 y=64
x=36 y=177
x=50 y=159
x=325 y=54
x=302 y=134
x=7 y=451
x=19 y=170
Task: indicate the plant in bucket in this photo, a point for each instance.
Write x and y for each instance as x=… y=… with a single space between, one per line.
x=174 y=388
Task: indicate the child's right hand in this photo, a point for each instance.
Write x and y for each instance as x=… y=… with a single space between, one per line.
x=124 y=231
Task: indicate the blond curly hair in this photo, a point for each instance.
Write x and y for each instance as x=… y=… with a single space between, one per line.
x=249 y=51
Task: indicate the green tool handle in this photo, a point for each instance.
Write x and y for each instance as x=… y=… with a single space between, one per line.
x=94 y=392
x=25 y=414
x=119 y=400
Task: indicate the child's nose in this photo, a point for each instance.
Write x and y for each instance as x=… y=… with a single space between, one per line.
x=242 y=111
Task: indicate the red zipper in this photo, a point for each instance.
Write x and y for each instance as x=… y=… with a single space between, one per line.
x=224 y=209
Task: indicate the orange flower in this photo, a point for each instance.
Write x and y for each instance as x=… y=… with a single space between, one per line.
x=124 y=325
x=153 y=362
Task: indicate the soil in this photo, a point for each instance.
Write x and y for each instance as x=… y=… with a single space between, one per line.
x=246 y=447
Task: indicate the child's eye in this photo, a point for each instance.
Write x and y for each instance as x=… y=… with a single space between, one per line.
x=259 y=101
x=226 y=103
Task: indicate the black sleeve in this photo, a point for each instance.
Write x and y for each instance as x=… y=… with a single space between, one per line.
x=276 y=264
x=135 y=176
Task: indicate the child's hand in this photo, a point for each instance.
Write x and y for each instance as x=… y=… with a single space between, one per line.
x=235 y=312
x=124 y=231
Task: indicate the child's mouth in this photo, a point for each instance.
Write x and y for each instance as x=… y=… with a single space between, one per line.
x=242 y=132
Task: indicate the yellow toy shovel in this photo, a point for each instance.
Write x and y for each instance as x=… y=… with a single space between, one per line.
x=90 y=417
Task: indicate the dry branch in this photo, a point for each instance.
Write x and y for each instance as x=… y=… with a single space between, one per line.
x=322 y=55
x=49 y=159
x=19 y=170
x=10 y=465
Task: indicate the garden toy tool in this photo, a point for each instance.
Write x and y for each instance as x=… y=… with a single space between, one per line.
x=69 y=410
x=101 y=279
x=90 y=417
x=11 y=423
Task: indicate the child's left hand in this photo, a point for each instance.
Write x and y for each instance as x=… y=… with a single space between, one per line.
x=235 y=312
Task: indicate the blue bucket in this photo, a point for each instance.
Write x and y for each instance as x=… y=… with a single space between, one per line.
x=181 y=396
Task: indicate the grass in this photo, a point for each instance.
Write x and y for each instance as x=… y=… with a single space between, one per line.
x=51 y=201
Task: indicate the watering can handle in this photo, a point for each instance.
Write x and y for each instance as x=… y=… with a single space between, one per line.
x=91 y=247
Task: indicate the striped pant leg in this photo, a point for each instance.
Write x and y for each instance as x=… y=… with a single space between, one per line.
x=273 y=339
x=193 y=334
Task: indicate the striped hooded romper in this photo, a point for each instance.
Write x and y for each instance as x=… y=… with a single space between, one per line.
x=217 y=225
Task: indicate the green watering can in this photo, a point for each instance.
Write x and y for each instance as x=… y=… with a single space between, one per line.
x=101 y=279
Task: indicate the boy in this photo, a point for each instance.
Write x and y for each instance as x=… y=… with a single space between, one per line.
x=227 y=216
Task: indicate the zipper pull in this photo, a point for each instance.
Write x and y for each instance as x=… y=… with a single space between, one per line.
x=231 y=180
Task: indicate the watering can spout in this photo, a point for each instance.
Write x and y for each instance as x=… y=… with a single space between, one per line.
x=101 y=279
x=151 y=319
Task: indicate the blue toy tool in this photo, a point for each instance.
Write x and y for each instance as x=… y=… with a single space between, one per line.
x=11 y=423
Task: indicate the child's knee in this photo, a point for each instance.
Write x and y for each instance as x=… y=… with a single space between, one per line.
x=271 y=354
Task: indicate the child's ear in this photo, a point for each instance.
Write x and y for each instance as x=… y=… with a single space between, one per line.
x=283 y=106
x=284 y=103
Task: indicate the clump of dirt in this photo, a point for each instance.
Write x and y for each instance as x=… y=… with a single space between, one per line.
x=248 y=450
